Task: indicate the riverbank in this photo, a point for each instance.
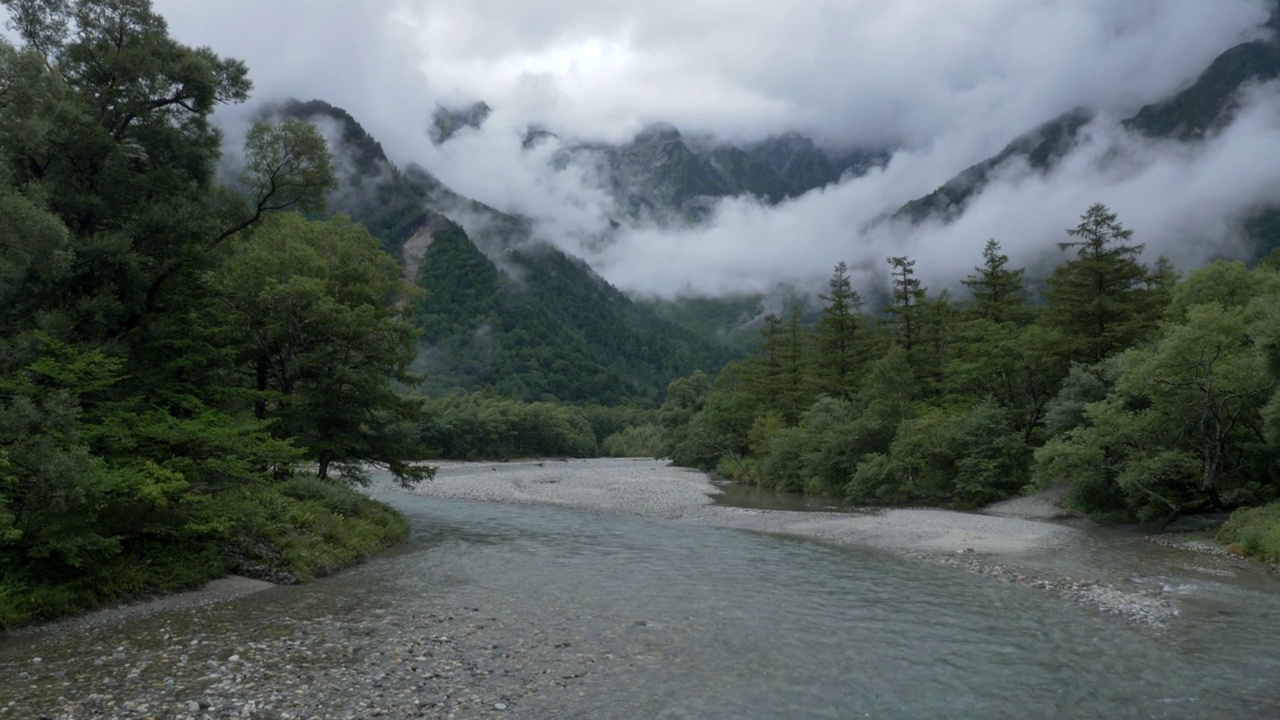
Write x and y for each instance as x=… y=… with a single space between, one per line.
x=282 y=534
x=1001 y=543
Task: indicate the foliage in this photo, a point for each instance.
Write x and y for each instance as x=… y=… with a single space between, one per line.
x=1182 y=427
x=646 y=441
x=840 y=336
x=319 y=318
x=486 y=427
x=1101 y=301
x=1150 y=395
x=171 y=352
x=1255 y=531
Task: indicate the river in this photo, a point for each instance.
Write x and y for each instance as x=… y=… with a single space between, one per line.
x=536 y=612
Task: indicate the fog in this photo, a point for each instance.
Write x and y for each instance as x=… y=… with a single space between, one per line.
x=944 y=84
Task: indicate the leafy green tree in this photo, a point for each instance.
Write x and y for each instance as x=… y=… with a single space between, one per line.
x=965 y=458
x=1015 y=366
x=324 y=321
x=1101 y=301
x=1183 y=427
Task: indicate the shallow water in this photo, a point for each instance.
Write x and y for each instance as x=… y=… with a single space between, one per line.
x=687 y=621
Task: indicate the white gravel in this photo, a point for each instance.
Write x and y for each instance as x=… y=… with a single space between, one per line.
x=652 y=488
x=649 y=488
x=1046 y=505
x=920 y=531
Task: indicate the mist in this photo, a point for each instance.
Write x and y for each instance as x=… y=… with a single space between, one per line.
x=945 y=85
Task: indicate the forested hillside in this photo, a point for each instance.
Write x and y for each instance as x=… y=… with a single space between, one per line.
x=502 y=309
x=190 y=374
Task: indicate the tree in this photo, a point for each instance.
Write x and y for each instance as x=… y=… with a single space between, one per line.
x=907 y=294
x=779 y=376
x=999 y=293
x=1102 y=300
x=323 y=318
x=1016 y=367
x=1183 y=427
x=839 y=340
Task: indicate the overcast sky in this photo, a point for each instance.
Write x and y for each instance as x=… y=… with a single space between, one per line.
x=947 y=83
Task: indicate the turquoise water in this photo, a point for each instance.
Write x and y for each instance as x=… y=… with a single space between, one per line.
x=689 y=621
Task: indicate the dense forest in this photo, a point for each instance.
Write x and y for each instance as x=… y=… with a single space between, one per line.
x=189 y=371
x=1153 y=396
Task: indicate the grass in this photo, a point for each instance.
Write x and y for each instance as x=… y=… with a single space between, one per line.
x=1254 y=532
x=302 y=528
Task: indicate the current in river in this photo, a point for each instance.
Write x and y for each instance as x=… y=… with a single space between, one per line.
x=535 y=612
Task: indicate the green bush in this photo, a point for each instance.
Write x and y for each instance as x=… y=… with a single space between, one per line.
x=647 y=441
x=1256 y=530
x=302 y=528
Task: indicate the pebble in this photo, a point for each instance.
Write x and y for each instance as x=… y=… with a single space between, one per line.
x=1149 y=608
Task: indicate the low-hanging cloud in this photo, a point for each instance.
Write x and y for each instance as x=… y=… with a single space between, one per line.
x=1183 y=201
x=945 y=84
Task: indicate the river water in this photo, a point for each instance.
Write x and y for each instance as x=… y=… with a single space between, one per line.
x=536 y=612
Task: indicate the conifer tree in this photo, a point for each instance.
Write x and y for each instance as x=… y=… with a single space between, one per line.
x=1101 y=301
x=839 y=342
x=906 y=298
x=999 y=293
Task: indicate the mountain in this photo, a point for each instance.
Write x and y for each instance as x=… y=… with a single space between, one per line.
x=446 y=122
x=1041 y=149
x=662 y=176
x=502 y=310
x=1207 y=105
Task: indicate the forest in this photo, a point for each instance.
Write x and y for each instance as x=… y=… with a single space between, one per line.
x=1154 y=396
x=192 y=374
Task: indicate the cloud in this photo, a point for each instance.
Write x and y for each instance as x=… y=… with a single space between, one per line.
x=856 y=71
x=1183 y=201
x=945 y=83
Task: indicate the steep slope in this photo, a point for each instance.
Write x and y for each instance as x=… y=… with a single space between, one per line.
x=503 y=310
x=1040 y=148
x=548 y=328
x=1207 y=105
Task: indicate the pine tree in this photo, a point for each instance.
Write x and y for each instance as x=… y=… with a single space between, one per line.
x=1102 y=301
x=999 y=294
x=778 y=375
x=907 y=296
x=839 y=342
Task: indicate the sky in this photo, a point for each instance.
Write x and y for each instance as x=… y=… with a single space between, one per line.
x=946 y=84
